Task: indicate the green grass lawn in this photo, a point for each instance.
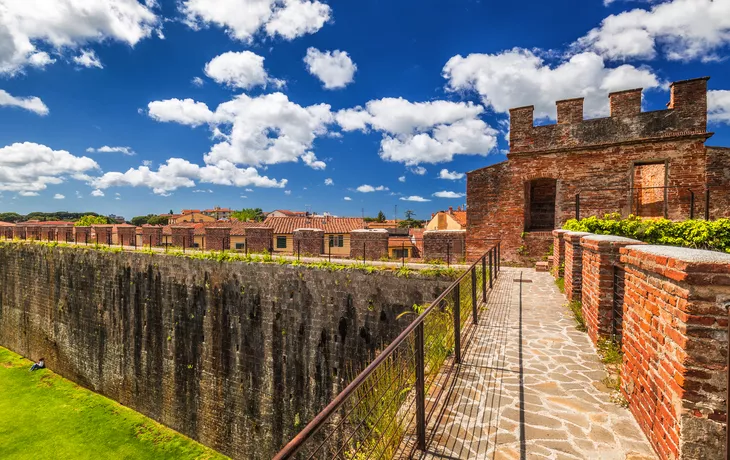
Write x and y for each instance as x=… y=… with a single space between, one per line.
x=44 y=416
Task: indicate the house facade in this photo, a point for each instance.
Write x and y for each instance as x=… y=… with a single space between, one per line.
x=651 y=164
x=336 y=232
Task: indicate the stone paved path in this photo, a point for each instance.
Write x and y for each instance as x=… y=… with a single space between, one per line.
x=558 y=412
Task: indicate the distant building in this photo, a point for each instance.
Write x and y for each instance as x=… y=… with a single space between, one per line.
x=286 y=213
x=336 y=232
x=219 y=213
x=189 y=215
x=448 y=220
x=115 y=218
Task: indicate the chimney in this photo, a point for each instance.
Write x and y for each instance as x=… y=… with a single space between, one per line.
x=625 y=103
x=690 y=98
x=570 y=111
x=451 y=209
x=520 y=127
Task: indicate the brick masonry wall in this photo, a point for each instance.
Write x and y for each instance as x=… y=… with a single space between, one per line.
x=48 y=233
x=65 y=234
x=374 y=242
x=19 y=232
x=33 y=232
x=573 y=265
x=558 y=268
x=600 y=260
x=82 y=234
x=230 y=354
x=102 y=233
x=594 y=154
x=674 y=372
x=308 y=241
x=444 y=245
x=152 y=235
x=127 y=236
x=260 y=239
x=182 y=237
x=217 y=238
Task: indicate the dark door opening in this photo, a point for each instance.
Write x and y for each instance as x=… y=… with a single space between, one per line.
x=540 y=201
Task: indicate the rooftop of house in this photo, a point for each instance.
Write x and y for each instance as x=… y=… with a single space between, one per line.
x=285 y=225
x=288 y=213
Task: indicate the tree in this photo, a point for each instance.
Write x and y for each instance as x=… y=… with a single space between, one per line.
x=10 y=217
x=410 y=222
x=141 y=220
x=157 y=220
x=409 y=214
x=91 y=220
x=249 y=215
x=381 y=217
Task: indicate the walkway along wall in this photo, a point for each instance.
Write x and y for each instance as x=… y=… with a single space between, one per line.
x=675 y=344
x=237 y=356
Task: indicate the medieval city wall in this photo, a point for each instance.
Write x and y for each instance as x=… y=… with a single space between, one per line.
x=237 y=356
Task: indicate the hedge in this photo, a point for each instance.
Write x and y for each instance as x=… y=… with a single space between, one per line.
x=701 y=234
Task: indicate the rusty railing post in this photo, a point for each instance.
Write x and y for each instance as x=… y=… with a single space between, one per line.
x=420 y=390
x=707 y=203
x=457 y=324
x=491 y=267
x=474 y=294
x=299 y=249
x=448 y=253
x=691 y=204
x=403 y=254
x=245 y=245
x=484 y=278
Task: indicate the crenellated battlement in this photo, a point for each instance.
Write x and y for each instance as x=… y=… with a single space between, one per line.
x=686 y=114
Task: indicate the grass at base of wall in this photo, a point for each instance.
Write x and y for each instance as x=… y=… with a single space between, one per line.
x=560 y=283
x=576 y=308
x=44 y=416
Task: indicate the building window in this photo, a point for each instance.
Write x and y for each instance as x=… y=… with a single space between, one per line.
x=337 y=241
x=400 y=253
x=240 y=245
x=196 y=245
x=280 y=242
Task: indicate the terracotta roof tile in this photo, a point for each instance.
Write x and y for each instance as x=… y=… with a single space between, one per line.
x=285 y=225
x=460 y=217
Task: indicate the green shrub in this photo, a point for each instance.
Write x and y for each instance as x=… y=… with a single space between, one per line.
x=701 y=234
x=577 y=309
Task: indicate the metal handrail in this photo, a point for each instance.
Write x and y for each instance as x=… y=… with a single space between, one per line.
x=293 y=446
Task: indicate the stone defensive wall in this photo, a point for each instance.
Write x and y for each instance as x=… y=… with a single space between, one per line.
x=238 y=356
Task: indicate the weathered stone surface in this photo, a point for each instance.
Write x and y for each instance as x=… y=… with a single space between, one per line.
x=444 y=245
x=372 y=244
x=230 y=354
x=308 y=241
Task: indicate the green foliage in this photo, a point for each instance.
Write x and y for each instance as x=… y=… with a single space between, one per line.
x=610 y=351
x=158 y=220
x=381 y=216
x=150 y=219
x=46 y=416
x=701 y=234
x=10 y=217
x=577 y=309
x=44 y=216
x=91 y=220
x=560 y=282
x=249 y=215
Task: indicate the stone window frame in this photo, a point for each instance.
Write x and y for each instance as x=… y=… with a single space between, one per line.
x=279 y=239
x=398 y=253
x=240 y=246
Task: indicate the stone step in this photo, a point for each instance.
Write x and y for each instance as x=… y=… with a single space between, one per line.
x=541 y=266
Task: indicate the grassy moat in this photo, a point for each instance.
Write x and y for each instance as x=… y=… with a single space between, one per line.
x=44 y=416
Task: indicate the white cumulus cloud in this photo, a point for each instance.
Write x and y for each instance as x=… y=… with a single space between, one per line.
x=422 y=132
x=185 y=112
x=107 y=149
x=329 y=181
x=347 y=198
x=718 y=106
x=30 y=167
x=450 y=175
x=88 y=58
x=197 y=81
x=417 y=198
x=58 y=196
x=402 y=179
x=419 y=170
x=679 y=29
x=97 y=193
x=242 y=19
x=519 y=77
x=369 y=188
x=446 y=194
x=33 y=103
x=31 y=28
x=243 y=70
x=334 y=68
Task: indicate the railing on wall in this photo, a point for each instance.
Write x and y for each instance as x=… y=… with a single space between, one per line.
x=392 y=400
x=677 y=202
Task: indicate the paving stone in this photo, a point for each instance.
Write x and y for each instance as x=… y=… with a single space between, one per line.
x=548 y=391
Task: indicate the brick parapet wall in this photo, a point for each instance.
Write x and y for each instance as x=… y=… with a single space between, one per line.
x=102 y=233
x=674 y=372
x=48 y=233
x=152 y=236
x=217 y=238
x=183 y=236
x=444 y=245
x=82 y=234
x=601 y=259
x=573 y=265
x=259 y=239
x=65 y=234
x=558 y=268
x=127 y=236
x=7 y=232
x=19 y=232
x=370 y=243
x=309 y=241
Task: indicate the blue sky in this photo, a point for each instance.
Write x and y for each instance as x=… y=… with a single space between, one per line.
x=130 y=108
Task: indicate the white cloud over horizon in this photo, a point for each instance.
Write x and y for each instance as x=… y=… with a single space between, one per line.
x=244 y=70
x=415 y=198
x=365 y=188
x=32 y=103
x=107 y=149
x=447 y=194
x=450 y=175
x=718 y=106
x=334 y=69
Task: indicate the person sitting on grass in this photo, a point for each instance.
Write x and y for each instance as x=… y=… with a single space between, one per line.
x=39 y=365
